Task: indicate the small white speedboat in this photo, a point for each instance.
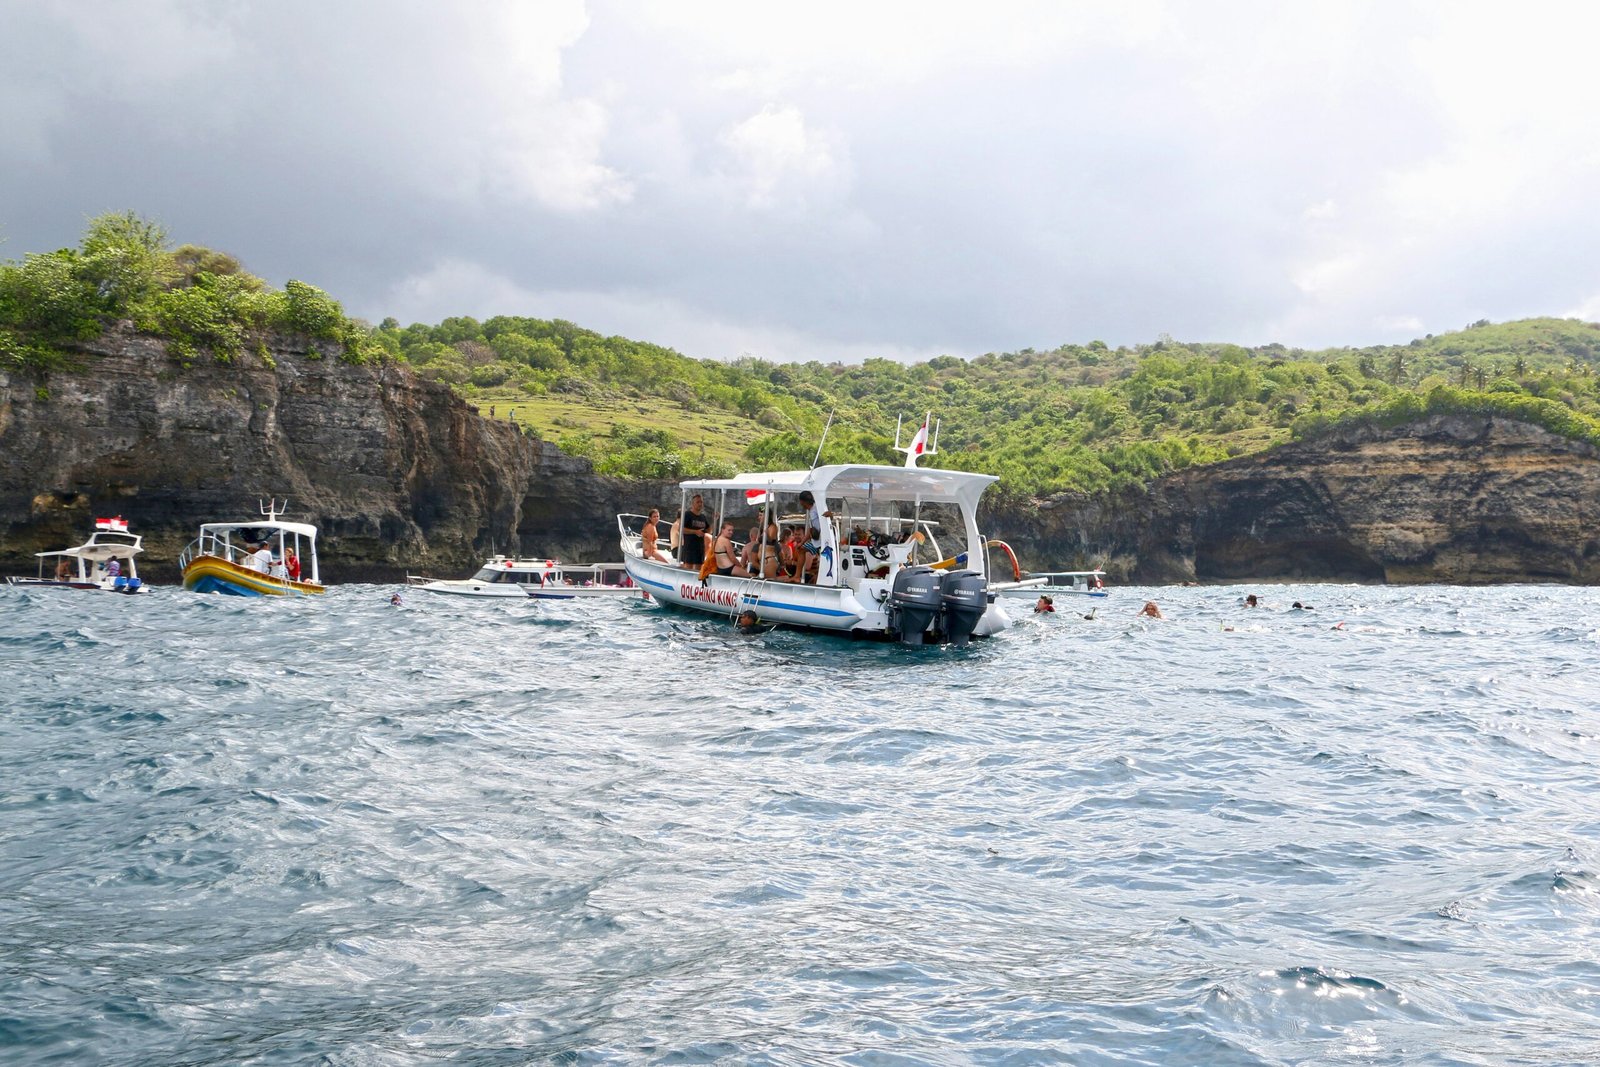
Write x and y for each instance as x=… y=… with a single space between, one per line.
x=1031 y=584
x=105 y=562
x=536 y=579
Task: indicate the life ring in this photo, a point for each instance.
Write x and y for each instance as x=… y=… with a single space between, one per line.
x=1016 y=568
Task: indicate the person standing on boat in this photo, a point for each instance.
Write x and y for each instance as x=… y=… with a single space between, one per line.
x=648 y=536
x=695 y=529
x=263 y=559
x=64 y=570
x=113 y=568
x=291 y=564
x=814 y=517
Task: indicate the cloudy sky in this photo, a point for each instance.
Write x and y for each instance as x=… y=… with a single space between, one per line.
x=838 y=180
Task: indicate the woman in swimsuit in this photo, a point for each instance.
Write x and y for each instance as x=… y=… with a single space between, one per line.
x=770 y=567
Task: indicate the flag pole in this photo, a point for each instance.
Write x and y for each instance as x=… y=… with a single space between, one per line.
x=818 y=458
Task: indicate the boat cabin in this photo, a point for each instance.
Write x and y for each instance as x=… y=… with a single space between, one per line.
x=241 y=543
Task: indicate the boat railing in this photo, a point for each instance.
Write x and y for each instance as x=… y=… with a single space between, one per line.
x=632 y=532
x=209 y=544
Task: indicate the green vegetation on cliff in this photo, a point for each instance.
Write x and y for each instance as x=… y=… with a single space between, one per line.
x=1077 y=417
x=196 y=299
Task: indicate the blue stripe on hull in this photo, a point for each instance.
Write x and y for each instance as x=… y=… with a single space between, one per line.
x=208 y=584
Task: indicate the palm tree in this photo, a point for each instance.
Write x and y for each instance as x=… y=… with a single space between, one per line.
x=1397 y=367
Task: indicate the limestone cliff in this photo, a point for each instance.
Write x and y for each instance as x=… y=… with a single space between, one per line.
x=401 y=475
x=1450 y=498
x=398 y=472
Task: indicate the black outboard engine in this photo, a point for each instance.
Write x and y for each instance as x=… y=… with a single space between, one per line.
x=914 y=603
x=965 y=597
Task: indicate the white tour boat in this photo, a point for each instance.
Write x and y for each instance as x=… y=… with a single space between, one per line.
x=537 y=579
x=880 y=570
x=89 y=566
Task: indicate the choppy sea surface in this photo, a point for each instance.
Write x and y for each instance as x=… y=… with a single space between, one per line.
x=335 y=831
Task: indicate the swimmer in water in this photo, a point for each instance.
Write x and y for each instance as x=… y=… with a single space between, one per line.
x=1151 y=610
x=750 y=623
x=1044 y=606
x=395 y=601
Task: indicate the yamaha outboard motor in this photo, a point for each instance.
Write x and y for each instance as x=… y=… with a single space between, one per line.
x=965 y=597
x=914 y=603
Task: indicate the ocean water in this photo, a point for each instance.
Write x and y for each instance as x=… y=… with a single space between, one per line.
x=337 y=832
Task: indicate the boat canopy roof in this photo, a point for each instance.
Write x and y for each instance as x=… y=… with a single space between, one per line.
x=855 y=481
x=101 y=546
x=260 y=525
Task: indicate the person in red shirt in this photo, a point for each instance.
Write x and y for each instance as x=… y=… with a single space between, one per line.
x=291 y=564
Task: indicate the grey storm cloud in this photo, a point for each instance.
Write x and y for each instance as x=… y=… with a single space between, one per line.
x=833 y=180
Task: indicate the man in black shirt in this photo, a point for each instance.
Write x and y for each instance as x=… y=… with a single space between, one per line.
x=694 y=527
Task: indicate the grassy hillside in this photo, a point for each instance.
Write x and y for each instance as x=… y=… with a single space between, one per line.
x=1079 y=417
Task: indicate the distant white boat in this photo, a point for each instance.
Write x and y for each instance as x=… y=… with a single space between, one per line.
x=536 y=579
x=88 y=566
x=1033 y=584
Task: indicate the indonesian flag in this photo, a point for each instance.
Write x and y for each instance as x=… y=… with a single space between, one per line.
x=118 y=524
x=755 y=497
x=919 y=445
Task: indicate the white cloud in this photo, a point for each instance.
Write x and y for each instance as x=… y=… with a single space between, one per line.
x=775 y=159
x=914 y=177
x=460 y=287
x=1588 y=311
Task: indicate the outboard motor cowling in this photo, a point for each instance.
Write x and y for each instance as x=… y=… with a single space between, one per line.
x=914 y=603
x=964 y=596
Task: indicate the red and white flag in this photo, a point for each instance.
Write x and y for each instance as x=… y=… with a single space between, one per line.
x=755 y=497
x=919 y=445
x=118 y=524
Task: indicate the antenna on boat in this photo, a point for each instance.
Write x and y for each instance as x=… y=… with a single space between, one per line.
x=818 y=457
x=921 y=444
x=271 y=509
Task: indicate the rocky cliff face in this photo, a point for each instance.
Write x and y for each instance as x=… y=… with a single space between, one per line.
x=402 y=475
x=1455 y=498
x=398 y=472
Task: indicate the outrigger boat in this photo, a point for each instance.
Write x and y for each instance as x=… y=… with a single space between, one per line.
x=535 y=579
x=1031 y=584
x=880 y=569
x=87 y=566
x=260 y=557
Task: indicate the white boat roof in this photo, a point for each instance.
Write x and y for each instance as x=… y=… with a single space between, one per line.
x=301 y=528
x=121 y=544
x=852 y=481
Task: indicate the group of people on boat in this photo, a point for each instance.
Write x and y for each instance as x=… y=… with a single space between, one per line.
x=778 y=552
x=262 y=560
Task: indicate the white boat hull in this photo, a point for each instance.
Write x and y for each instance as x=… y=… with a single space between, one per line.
x=468 y=587
x=838 y=610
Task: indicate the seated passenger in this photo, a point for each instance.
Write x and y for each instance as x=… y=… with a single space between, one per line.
x=727 y=563
x=750 y=555
x=649 y=536
x=772 y=555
